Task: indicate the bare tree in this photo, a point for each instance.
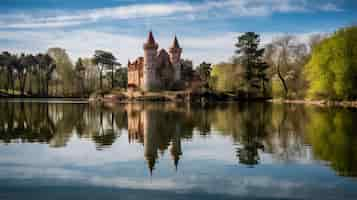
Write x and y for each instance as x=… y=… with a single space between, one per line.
x=287 y=57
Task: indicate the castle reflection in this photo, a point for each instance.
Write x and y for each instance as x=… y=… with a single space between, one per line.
x=158 y=127
x=287 y=133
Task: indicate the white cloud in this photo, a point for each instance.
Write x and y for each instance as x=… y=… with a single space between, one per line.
x=82 y=43
x=53 y=19
x=330 y=7
x=63 y=19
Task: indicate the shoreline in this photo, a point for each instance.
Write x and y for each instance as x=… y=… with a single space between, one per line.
x=45 y=99
x=320 y=103
x=191 y=98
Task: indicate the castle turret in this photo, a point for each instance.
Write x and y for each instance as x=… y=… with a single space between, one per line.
x=175 y=57
x=150 y=63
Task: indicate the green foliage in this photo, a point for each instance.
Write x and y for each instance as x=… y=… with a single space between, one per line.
x=225 y=78
x=332 y=69
x=250 y=56
x=277 y=89
x=65 y=70
x=104 y=60
x=204 y=70
x=121 y=77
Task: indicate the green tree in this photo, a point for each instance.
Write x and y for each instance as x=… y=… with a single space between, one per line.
x=91 y=75
x=9 y=62
x=22 y=68
x=121 y=77
x=187 y=71
x=46 y=67
x=80 y=75
x=31 y=63
x=204 y=70
x=64 y=70
x=332 y=69
x=225 y=77
x=104 y=60
x=250 y=57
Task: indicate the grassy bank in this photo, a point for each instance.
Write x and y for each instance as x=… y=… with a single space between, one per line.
x=322 y=103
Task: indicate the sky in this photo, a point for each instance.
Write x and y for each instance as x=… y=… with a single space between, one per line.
x=206 y=29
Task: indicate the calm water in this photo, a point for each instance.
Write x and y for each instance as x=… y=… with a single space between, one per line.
x=171 y=151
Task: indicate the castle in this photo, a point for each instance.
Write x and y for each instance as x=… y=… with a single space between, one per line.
x=156 y=70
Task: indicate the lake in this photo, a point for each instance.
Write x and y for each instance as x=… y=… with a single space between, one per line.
x=52 y=150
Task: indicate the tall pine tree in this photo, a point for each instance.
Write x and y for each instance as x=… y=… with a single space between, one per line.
x=250 y=57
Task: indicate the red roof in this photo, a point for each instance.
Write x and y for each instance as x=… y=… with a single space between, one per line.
x=175 y=44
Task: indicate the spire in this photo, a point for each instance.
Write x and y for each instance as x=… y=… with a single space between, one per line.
x=151 y=39
x=150 y=43
x=175 y=44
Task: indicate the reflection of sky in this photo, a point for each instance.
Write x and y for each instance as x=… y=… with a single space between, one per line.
x=208 y=166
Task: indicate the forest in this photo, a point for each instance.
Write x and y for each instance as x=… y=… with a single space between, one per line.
x=322 y=68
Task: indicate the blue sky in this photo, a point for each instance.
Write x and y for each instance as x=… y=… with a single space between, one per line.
x=206 y=28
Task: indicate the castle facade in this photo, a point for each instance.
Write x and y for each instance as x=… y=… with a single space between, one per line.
x=156 y=70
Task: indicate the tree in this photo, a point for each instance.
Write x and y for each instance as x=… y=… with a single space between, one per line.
x=225 y=77
x=91 y=75
x=250 y=57
x=4 y=63
x=9 y=63
x=121 y=77
x=104 y=60
x=187 y=71
x=64 y=70
x=287 y=57
x=315 y=39
x=46 y=68
x=31 y=63
x=332 y=69
x=22 y=71
x=204 y=70
x=80 y=74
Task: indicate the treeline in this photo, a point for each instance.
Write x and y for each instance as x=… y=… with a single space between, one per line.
x=23 y=72
x=324 y=67
x=52 y=74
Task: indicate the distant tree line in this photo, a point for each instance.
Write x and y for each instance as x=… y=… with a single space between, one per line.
x=54 y=74
x=30 y=74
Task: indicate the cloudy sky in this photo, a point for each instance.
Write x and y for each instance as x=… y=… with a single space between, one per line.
x=206 y=28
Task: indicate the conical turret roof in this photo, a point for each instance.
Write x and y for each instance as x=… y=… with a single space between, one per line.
x=151 y=39
x=175 y=44
x=150 y=43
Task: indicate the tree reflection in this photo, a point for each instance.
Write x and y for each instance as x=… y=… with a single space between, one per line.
x=281 y=131
x=333 y=138
x=253 y=122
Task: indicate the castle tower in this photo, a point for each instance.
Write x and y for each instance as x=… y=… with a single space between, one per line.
x=150 y=63
x=175 y=56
